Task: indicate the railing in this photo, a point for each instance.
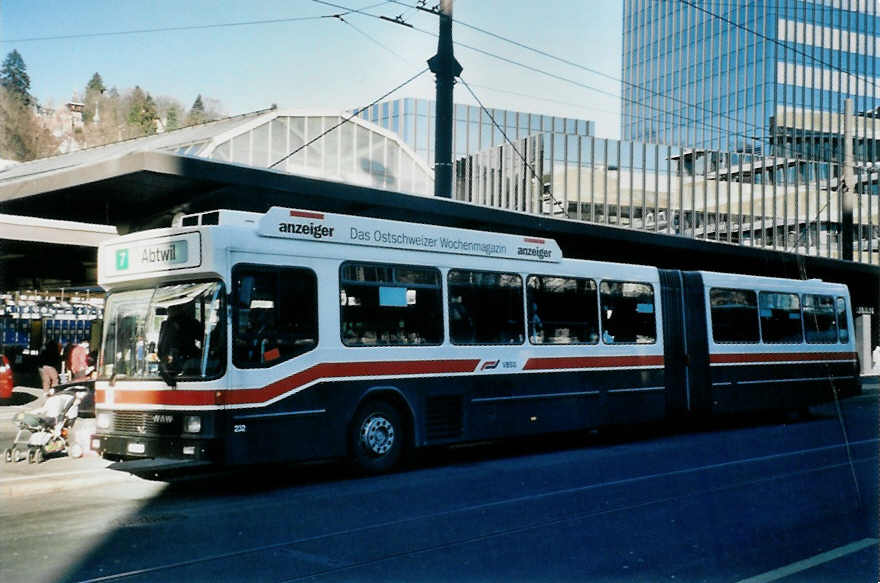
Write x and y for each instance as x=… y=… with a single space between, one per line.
x=786 y=204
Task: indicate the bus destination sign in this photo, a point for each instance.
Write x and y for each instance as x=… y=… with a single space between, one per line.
x=152 y=255
x=325 y=227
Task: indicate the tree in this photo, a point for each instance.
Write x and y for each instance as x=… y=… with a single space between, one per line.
x=171 y=120
x=198 y=105
x=110 y=120
x=96 y=84
x=196 y=112
x=142 y=114
x=14 y=77
x=22 y=136
x=94 y=98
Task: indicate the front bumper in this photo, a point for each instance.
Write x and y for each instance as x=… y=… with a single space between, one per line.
x=139 y=447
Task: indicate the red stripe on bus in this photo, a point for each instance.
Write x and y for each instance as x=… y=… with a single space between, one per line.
x=780 y=357
x=307 y=215
x=255 y=396
x=164 y=397
x=592 y=362
x=533 y=240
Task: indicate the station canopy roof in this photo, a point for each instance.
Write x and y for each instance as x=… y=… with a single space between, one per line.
x=357 y=152
x=39 y=230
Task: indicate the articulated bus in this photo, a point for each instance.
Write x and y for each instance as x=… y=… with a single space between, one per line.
x=237 y=337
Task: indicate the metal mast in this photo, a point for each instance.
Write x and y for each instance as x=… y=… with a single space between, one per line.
x=846 y=188
x=446 y=68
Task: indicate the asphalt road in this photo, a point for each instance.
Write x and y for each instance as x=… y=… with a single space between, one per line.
x=771 y=500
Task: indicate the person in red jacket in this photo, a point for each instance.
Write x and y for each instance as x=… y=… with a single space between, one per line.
x=79 y=365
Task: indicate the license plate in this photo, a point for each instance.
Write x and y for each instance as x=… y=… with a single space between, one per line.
x=136 y=448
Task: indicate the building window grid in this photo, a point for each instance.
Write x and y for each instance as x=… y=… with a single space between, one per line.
x=750 y=80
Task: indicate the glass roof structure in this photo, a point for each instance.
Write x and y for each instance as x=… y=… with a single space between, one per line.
x=357 y=152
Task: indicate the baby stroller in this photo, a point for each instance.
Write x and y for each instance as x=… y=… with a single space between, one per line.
x=44 y=431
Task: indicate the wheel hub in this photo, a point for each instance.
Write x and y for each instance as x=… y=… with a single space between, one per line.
x=377 y=435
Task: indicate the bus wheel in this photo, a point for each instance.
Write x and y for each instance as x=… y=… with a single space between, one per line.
x=376 y=437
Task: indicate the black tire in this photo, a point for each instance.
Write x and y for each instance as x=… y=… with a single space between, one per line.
x=376 y=438
x=7 y=455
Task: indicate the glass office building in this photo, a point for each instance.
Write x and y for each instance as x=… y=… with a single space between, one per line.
x=472 y=131
x=751 y=77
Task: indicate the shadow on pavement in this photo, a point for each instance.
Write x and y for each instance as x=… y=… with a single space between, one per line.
x=18 y=399
x=735 y=521
x=243 y=480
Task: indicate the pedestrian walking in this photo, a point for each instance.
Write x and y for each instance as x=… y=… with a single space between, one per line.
x=50 y=363
x=79 y=361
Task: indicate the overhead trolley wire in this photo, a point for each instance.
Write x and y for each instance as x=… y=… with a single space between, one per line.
x=591 y=70
x=673 y=114
x=543 y=99
x=349 y=118
x=777 y=42
x=501 y=129
x=559 y=102
x=685 y=103
x=183 y=28
x=372 y=39
x=369 y=37
x=166 y=29
x=804 y=274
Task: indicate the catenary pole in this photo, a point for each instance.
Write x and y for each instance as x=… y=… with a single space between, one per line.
x=446 y=69
x=847 y=184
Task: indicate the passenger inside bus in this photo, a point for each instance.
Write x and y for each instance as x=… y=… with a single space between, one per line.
x=180 y=340
x=536 y=325
x=461 y=325
x=261 y=337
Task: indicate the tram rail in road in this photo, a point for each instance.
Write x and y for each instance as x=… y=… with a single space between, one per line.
x=672 y=499
x=728 y=504
x=542 y=524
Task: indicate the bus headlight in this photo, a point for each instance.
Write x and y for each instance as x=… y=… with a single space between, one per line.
x=103 y=420
x=192 y=424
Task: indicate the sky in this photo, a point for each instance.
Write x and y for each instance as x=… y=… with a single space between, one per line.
x=321 y=64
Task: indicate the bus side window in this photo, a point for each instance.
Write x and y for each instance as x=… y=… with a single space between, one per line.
x=485 y=307
x=275 y=316
x=390 y=305
x=780 y=318
x=842 y=323
x=627 y=312
x=734 y=315
x=819 y=324
x=562 y=310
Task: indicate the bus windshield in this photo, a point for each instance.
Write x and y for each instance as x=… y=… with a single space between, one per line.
x=171 y=331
